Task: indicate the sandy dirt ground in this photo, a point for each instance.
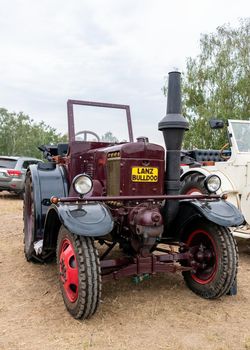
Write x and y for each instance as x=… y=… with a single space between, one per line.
x=157 y=314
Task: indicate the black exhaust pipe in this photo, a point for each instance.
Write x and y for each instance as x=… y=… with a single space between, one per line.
x=173 y=126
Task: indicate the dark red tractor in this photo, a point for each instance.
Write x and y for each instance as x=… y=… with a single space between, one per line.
x=126 y=195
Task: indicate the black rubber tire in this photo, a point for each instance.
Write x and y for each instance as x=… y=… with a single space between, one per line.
x=29 y=220
x=89 y=274
x=193 y=181
x=226 y=252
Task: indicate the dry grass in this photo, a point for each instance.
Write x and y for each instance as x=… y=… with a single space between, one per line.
x=10 y=204
x=158 y=314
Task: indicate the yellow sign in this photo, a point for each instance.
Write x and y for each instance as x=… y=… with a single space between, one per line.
x=144 y=174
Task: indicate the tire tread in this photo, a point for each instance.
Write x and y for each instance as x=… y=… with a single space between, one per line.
x=89 y=290
x=228 y=267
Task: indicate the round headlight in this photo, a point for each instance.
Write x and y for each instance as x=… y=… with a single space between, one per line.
x=212 y=183
x=82 y=184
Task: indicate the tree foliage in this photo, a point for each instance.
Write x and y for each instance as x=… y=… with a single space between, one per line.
x=109 y=137
x=20 y=135
x=217 y=84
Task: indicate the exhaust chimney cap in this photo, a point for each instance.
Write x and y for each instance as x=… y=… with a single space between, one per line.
x=173 y=119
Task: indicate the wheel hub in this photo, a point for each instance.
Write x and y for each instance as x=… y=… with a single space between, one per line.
x=203 y=256
x=69 y=270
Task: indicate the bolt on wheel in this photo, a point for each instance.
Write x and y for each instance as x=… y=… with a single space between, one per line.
x=213 y=258
x=204 y=256
x=69 y=270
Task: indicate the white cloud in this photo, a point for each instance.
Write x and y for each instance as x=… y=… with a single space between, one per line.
x=114 y=51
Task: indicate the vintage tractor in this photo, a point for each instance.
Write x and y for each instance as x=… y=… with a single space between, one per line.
x=126 y=195
x=232 y=168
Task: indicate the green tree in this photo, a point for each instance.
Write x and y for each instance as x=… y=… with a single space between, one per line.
x=217 y=84
x=20 y=135
x=109 y=137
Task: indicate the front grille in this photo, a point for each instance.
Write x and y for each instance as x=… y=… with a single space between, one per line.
x=113 y=177
x=90 y=170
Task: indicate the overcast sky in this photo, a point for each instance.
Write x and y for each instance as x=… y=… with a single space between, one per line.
x=116 y=51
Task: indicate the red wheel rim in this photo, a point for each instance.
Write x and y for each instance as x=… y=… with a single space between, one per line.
x=69 y=270
x=194 y=191
x=204 y=256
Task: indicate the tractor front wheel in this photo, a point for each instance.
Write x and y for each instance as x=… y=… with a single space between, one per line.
x=79 y=273
x=29 y=219
x=213 y=257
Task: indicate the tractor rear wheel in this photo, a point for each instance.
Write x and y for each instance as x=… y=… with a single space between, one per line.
x=193 y=184
x=79 y=273
x=214 y=258
x=29 y=219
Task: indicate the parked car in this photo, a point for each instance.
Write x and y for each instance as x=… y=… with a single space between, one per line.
x=12 y=173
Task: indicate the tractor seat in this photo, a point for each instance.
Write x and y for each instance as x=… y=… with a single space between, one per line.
x=203 y=155
x=62 y=149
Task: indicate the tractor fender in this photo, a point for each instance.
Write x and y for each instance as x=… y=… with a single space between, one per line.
x=220 y=212
x=227 y=185
x=47 y=180
x=84 y=219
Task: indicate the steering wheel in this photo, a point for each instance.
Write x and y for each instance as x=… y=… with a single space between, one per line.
x=223 y=156
x=85 y=132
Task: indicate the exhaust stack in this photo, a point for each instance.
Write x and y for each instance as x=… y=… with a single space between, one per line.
x=173 y=126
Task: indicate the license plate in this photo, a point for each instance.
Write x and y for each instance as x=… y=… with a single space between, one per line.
x=144 y=174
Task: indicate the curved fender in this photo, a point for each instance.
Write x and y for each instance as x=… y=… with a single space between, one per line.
x=200 y=170
x=92 y=219
x=48 y=180
x=220 y=212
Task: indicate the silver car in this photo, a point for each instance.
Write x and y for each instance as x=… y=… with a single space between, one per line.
x=12 y=172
